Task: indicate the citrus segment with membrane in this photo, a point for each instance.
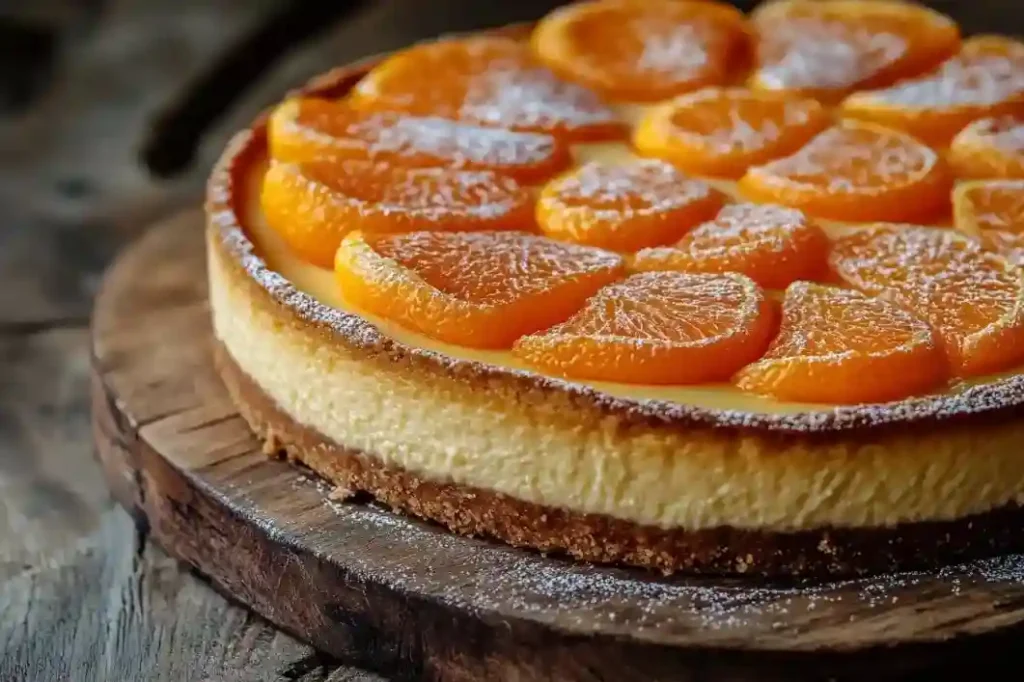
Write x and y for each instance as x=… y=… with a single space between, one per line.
x=309 y=129
x=974 y=300
x=982 y=205
x=312 y=205
x=720 y=132
x=989 y=148
x=489 y=81
x=770 y=244
x=993 y=211
x=986 y=78
x=475 y=289
x=1009 y=245
x=624 y=206
x=828 y=48
x=658 y=328
x=856 y=172
x=635 y=50
x=840 y=346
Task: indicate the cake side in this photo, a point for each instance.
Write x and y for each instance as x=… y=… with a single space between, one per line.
x=602 y=538
x=542 y=448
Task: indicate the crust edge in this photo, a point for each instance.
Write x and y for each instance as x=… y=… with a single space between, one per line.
x=601 y=539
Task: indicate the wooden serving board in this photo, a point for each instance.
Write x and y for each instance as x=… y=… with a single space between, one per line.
x=414 y=602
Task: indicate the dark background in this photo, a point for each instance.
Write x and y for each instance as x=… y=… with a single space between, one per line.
x=111 y=113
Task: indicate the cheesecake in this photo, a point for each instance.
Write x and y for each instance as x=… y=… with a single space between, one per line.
x=768 y=456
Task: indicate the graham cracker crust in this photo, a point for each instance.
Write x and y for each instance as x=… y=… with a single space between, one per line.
x=602 y=539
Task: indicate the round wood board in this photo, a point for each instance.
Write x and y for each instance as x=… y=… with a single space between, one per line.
x=413 y=601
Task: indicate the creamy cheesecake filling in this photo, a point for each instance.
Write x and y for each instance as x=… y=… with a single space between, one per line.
x=321 y=284
x=540 y=447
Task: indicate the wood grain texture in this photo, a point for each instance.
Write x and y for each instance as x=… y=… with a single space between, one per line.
x=84 y=594
x=413 y=601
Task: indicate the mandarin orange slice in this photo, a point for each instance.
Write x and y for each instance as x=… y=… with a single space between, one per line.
x=770 y=244
x=658 y=328
x=490 y=81
x=1009 y=245
x=476 y=289
x=986 y=78
x=642 y=50
x=982 y=205
x=972 y=299
x=840 y=346
x=989 y=148
x=827 y=48
x=316 y=203
x=624 y=206
x=308 y=129
x=993 y=211
x=720 y=132
x=856 y=172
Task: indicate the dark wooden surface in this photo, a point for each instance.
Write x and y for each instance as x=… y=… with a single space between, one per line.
x=411 y=600
x=84 y=85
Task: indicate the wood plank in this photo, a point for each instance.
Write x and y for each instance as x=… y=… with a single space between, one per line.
x=408 y=599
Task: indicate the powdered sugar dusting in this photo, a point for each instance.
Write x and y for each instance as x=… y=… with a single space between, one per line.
x=814 y=53
x=461 y=143
x=533 y=98
x=982 y=80
x=671 y=51
x=850 y=158
x=748 y=123
x=620 y=191
x=484 y=576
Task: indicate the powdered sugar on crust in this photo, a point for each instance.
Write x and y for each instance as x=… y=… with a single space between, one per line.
x=591 y=599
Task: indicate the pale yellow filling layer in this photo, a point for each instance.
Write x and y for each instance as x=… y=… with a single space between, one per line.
x=537 y=452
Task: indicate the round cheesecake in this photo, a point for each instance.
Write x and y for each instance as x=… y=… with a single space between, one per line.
x=696 y=478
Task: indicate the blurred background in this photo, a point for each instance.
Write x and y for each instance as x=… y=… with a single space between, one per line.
x=111 y=113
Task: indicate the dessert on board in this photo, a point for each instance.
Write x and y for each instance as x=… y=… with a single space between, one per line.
x=651 y=283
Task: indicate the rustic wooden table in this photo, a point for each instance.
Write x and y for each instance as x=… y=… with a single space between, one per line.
x=90 y=91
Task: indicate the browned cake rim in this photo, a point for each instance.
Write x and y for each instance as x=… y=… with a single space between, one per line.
x=225 y=201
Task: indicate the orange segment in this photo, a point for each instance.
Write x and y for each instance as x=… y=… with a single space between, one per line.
x=993 y=211
x=974 y=300
x=658 y=328
x=720 y=132
x=642 y=50
x=989 y=148
x=489 y=81
x=307 y=129
x=985 y=79
x=316 y=203
x=1009 y=245
x=982 y=205
x=840 y=346
x=624 y=206
x=476 y=289
x=827 y=48
x=770 y=244
x=856 y=172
